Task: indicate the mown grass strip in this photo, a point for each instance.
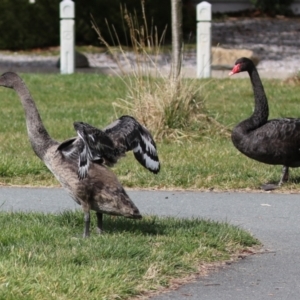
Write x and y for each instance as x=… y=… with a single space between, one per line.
x=43 y=256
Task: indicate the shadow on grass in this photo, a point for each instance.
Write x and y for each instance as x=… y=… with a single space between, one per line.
x=148 y=225
x=66 y=228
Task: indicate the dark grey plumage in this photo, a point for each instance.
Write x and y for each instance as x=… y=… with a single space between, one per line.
x=111 y=143
x=99 y=191
x=275 y=142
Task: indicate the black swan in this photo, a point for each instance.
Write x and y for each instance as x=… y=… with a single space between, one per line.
x=275 y=142
x=111 y=143
x=99 y=191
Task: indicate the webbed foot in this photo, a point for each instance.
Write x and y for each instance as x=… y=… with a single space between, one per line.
x=270 y=186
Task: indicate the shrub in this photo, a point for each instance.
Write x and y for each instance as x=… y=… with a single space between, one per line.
x=24 y=25
x=273 y=6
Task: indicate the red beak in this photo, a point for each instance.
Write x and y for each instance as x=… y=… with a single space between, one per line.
x=236 y=69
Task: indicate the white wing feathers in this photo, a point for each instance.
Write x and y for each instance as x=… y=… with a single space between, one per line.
x=145 y=153
x=128 y=134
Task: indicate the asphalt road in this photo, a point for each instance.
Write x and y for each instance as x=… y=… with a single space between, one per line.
x=271 y=217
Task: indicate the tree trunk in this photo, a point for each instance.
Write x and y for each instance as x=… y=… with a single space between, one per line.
x=176 y=13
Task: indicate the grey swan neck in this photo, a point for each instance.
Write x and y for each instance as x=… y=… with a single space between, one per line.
x=261 y=108
x=38 y=135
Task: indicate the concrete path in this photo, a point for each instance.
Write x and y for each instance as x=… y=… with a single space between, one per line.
x=272 y=218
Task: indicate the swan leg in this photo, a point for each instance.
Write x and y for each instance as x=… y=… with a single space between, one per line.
x=87 y=221
x=99 y=222
x=284 y=178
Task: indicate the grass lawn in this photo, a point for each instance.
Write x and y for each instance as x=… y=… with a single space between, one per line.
x=208 y=162
x=45 y=257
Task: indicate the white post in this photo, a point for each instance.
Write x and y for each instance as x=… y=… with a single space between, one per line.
x=203 y=40
x=67 y=23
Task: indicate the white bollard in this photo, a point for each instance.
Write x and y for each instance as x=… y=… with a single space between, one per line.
x=67 y=37
x=204 y=40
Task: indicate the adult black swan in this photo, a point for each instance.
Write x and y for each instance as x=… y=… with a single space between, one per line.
x=275 y=142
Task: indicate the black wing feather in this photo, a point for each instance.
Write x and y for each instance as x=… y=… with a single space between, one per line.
x=71 y=148
x=99 y=147
x=111 y=143
x=128 y=134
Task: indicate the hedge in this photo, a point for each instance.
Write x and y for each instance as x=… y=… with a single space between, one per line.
x=26 y=26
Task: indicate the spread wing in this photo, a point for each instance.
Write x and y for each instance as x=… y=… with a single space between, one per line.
x=128 y=134
x=70 y=148
x=76 y=150
x=108 y=145
x=97 y=147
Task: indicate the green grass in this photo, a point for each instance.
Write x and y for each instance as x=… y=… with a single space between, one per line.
x=207 y=162
x=44 y=256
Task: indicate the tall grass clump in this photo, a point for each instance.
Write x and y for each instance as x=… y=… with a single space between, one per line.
x=168 y=107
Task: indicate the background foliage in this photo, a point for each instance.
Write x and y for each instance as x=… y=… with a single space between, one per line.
x=273 y=6
x=25 y=26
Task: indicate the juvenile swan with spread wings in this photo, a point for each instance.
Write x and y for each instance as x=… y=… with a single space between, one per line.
x=108 y=145
x=99 y=191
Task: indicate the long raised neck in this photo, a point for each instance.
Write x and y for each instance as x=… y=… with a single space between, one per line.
x=38 y=135
x=261 y=108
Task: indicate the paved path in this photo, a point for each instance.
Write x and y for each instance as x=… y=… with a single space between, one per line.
x=273 y=218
